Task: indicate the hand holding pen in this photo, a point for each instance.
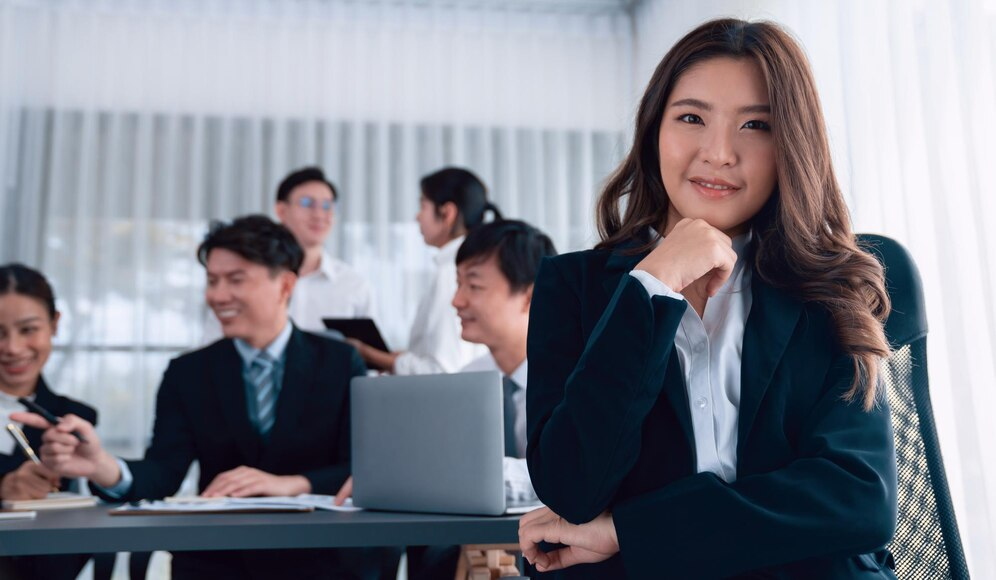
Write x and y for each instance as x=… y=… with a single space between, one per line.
x=69 y=454
x=31 y=480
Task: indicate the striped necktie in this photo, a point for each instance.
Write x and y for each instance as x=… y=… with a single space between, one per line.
x=261 y=377
x=513 y=447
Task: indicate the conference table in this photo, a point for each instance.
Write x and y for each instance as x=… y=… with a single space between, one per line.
x=93 y=530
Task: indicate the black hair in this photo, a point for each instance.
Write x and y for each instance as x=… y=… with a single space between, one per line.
x=256 y=238
x=302 y=176
x=465 y=190
x=20 y=279
x=518 y=246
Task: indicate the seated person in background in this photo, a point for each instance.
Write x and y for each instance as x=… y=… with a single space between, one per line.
x=496 y=266
x=326 y=287
x=28 y=321
x=265 y=411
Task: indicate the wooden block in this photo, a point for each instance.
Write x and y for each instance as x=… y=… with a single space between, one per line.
x=508 y=571
x=479 y=573
x=494 y=558
x=506 y=559
x=478 y=561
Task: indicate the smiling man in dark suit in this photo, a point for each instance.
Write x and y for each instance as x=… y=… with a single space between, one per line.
x=265 y=411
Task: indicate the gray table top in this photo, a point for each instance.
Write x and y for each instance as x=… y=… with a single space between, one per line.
x=92 y=530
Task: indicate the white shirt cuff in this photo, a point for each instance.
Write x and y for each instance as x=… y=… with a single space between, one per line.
x=654 y=286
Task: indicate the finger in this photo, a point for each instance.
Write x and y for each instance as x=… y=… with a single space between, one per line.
x=30 y=419
x=562 y=558
x=63 y=445
x=43 y=472
x=69 y=423
x=345 y=492
x=235 y=483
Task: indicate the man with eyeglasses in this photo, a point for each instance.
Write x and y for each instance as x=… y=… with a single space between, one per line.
x=326 y=287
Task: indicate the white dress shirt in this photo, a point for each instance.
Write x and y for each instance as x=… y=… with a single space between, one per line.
x=8 y=405
x=518 y=487
x=334 y=290
x=710 y=352
x=434 y=345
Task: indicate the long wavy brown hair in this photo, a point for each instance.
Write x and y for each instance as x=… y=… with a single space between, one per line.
x=802 y=236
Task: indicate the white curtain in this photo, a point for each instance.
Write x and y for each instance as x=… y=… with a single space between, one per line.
x=909 y=90
x=126 y=125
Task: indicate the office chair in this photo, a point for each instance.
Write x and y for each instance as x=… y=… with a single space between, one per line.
x=927 y=544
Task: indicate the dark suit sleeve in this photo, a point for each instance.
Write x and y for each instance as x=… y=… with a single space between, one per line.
x=587 y=400
x=328 y=480
x=838 y=498
x=172 y=449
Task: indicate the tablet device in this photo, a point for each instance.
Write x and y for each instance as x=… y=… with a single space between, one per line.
x=362 y=329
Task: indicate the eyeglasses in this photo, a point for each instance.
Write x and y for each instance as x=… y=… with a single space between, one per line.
x=308 y=202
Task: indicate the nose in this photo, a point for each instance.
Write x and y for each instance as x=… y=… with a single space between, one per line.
x=718 y=148
x=12 y=344
x=459 y=300
x=218 y=293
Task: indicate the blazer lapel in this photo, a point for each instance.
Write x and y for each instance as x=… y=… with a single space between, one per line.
x=772 y=319
x=226 y=374
x=295 y=391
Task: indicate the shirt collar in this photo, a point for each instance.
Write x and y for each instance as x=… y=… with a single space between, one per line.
x=449 y=251
x=326 y=266
x=275 y=349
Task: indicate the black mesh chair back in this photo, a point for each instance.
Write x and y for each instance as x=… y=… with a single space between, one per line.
x=927 y=544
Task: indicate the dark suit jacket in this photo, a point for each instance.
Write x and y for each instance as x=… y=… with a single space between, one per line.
x=201 y=414
x=610 y=429
x=66 y=566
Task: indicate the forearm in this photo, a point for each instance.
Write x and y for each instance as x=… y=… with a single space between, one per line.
x=585 y=429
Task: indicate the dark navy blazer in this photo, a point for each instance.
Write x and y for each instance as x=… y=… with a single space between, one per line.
x=201 y=414
x=610 y=429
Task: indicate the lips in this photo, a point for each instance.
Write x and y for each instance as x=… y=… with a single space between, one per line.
x=16 y=367
x=713 y=188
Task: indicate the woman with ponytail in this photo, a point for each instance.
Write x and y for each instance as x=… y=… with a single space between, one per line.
x=454 y=202
x=704 y=398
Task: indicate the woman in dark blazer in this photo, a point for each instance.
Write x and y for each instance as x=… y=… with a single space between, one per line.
x=704 y=402
x=28 y=321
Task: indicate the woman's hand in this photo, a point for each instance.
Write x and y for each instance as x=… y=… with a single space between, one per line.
x=374 y=356
x=693 y=249
x=29 y=481
x=66 y=455
x=587 y=543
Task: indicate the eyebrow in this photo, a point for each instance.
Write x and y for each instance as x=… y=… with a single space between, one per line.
x=28 y=319
x=707 y=107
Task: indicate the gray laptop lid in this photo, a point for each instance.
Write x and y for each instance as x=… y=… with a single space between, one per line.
x=428 y=443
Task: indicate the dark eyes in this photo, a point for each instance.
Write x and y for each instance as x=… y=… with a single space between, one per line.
x=755 y=125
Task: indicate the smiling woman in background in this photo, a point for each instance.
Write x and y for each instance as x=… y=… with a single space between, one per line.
x=703 y=390
x=28 y=321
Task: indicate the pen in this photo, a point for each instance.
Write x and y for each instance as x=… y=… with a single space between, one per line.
x=45 y=414
x=22 y=442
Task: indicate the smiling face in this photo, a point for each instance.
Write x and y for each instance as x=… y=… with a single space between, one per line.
x=249 y=301
x=490 y=313
x=308 y=213
x=717 y=153
x=26 y=332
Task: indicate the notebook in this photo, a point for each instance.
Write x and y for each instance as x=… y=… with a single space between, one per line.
x=59 y=500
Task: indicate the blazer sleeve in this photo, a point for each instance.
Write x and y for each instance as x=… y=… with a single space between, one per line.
x=587 y=399
x=838 y=498
x=328 y=480
x=172 y=449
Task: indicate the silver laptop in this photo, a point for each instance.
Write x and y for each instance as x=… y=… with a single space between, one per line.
x=428 y=443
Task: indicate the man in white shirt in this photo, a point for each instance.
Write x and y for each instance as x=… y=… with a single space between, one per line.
x=326 y=287
x=496 y=266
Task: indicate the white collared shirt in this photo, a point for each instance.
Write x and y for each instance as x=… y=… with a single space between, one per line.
x=434 y=345
x=710 y=352
x=334 y=290
x=9 y=404
x=518 y=487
